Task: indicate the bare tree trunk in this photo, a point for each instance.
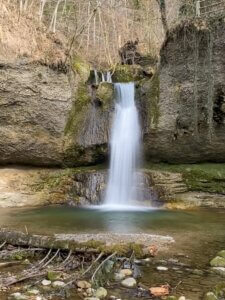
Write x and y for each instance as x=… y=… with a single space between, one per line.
x=162 y=7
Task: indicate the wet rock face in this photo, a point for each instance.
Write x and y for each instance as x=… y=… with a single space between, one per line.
x=184 y=118
x=34 y=102
x=88 y=188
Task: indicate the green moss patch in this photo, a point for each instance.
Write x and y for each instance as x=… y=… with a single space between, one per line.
x=81 y=68
x=206 y=177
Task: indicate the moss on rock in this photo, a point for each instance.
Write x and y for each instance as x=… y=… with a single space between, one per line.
x=105 y=94
x=81 y=67
x=153 y=94
x=205 y=177
x=127 y=73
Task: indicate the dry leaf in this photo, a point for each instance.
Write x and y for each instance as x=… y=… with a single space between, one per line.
x=153 y=250
x=160 y=291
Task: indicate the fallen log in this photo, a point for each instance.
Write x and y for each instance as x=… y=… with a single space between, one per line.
x=18 y=238
x=74 y=243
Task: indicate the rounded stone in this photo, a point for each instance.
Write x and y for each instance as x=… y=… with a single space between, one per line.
x=119 y=276
x=129 y=282
x=82 y=284
x=101 y=293
x=218 y=261
x=58 y=284
x=46 y=282
x=161 y=268
x=126 y=272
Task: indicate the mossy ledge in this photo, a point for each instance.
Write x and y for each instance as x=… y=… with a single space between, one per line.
x=205 y=177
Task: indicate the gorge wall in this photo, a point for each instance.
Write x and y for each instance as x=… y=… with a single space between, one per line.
x=53 y=114
x=185 y=99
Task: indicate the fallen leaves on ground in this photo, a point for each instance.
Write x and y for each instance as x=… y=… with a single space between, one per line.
x=160 y=291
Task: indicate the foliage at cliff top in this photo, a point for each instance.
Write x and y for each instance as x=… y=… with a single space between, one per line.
x=23 y=37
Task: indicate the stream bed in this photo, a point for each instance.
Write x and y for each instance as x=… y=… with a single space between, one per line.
x=198 y=235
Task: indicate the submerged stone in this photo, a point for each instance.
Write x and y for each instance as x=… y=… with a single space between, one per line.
x=161 y=268
x=210 y=296
x=17 y=296
x=100 y=293
x=54 y=275
x=218 y=261
x=33 y=292
x=129 y=282
x=198 y=272
x=219 y=270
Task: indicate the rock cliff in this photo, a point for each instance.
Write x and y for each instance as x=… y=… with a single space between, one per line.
x=185 y=118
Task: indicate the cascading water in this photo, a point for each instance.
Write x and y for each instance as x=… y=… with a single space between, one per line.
x=125 y=145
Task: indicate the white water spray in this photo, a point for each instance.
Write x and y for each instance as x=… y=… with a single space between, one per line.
x=125 y=144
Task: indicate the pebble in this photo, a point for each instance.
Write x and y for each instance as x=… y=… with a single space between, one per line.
x=33 y=292
x=198 y=272
x=90 y=291
x=46 y=282
x=119 y=276
x=210 y=296
x=58 y=284
x=126 y=272
x=83 y=284
x=91 y=298
x=129 y=282
x=160 y=268
x=182 y=298
x=101 y=293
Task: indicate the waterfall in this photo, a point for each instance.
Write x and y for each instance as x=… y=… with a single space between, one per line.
x=96 y=77
x=125 y=144
x=107 y=77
